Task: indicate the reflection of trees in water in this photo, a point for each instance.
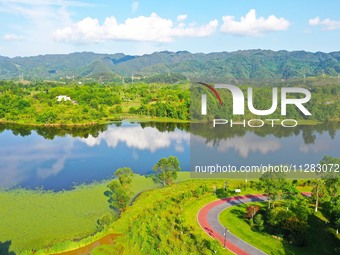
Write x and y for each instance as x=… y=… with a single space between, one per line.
x=51 y=132
x=166 y=126
x=223 y=132
x=84 y=131
x=214 y=135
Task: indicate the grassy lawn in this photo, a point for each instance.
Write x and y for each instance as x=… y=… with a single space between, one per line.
x=320 y=239
x=163 y=221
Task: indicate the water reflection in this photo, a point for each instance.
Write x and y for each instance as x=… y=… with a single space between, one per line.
x=247 y=144
x=255 y=146
x=18 y=157
x=143 y=139
x=57 y=160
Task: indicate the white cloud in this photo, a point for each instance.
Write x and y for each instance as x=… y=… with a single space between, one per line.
x=134 y=6
x=143 y=28
x=182 y=17
x=36 y=19
x=13 y=37
x=250 y=25
x=327 y=24
x=148 y=138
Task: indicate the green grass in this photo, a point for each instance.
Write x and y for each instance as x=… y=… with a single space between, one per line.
x=163 y=221
x=320 y=239
x=36 y=219
x=158 y=211
x=57 y=220
x=161 y=213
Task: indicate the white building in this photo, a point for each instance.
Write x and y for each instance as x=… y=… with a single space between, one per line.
x=62 y=97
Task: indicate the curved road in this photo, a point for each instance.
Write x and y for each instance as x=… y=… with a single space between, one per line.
x=208 y=219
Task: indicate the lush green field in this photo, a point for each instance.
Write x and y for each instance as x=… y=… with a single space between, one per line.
x=36 y=219
x=321 y=238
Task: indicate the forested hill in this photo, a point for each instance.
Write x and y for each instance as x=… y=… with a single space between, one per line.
x=222 y=66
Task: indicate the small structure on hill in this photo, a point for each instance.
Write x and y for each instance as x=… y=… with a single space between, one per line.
x=65 y=98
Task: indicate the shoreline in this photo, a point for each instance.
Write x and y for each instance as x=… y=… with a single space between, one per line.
x=136 y=119
x=94 y=123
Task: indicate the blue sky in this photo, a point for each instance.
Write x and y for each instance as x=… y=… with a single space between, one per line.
x=34 y=27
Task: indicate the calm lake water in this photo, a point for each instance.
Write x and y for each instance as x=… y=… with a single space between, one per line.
x=58 y=158
x=239 y=146
x=54 y=160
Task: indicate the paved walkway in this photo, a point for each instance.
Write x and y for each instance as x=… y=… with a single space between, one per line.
x=208 y=220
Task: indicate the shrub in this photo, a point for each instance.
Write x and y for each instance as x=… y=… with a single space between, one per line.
x=258 y=221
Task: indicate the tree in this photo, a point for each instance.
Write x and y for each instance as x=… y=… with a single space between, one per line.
x=124 y=175
x=295 y=230
x=318 y=191
x=258 y=221
x=300 y=207
x=333 y=186
x=332 y=180
x=289 y=191
x=166 y=169
x=273 y=183
x=251 y=211
x=277 y=216
x=105 y=221
x=120 y=196
x=335 y=212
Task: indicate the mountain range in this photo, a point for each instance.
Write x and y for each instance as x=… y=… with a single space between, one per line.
x=219 y=66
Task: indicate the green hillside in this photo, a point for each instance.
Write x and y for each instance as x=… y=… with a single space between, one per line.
x=222 y=66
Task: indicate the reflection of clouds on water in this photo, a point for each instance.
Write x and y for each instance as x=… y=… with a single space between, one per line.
x=62 y=154
x=135 y=155
x=318 y=146
x=248 y=144
x=179 y=147
x=143 y=139
x=15 y=159
x=11 y=174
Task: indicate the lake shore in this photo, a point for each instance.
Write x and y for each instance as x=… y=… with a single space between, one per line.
x=94 y=123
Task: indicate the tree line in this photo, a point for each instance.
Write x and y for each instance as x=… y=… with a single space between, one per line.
x=92 y=102
x=36 y=103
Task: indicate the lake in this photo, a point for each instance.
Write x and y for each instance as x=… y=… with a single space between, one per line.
x=241 y=147
x=59 y=158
